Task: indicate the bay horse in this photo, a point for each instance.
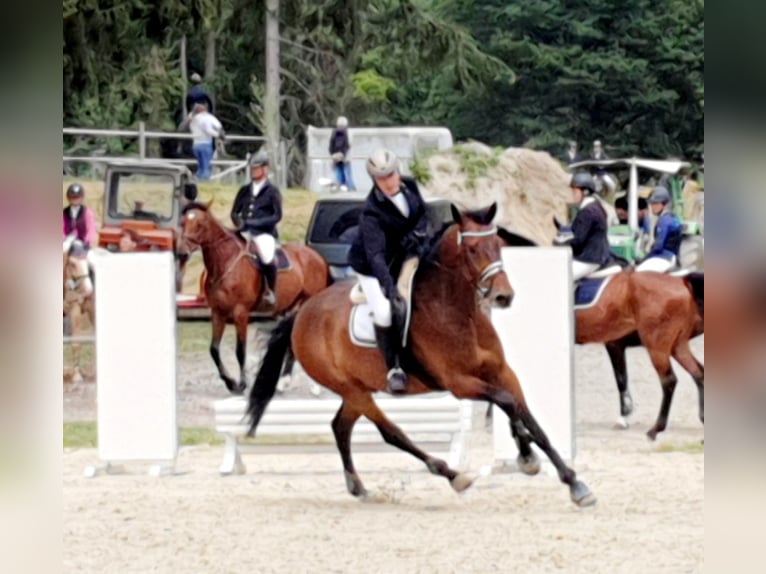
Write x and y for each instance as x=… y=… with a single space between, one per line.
x=452 y=346
x=78 y=298
x=660 y=312
x=234 y=285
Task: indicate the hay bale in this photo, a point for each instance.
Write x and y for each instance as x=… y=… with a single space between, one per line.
x=530 y=187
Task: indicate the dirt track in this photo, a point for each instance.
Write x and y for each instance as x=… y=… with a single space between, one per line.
x=291 y=513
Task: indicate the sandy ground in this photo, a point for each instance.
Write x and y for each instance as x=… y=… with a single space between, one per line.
x=291 y=512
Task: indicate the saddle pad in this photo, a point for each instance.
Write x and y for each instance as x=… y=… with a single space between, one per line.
x=589 y=291
x=360 y=326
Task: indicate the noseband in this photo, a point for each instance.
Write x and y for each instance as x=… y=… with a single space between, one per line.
x=485 y=277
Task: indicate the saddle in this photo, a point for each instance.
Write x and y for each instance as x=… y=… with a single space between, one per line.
x=281 y=258
x=361 y=327
x=589 y=289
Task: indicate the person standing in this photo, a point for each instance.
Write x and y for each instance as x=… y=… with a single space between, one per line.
x=340 y=144
x=204 y=127
x=572 y=155
x=198 y=94
x=256 y=212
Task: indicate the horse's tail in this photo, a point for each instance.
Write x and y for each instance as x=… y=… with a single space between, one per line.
x=268 y=375
x=696 y=283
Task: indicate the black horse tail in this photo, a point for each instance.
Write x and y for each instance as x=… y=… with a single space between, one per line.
x=696 y=283
x=268 y=375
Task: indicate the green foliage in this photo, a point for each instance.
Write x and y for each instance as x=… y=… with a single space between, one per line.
x=370 y=87
x=475 y=164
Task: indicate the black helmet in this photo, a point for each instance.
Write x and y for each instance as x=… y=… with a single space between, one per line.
x=75 y=190
x=584 y=181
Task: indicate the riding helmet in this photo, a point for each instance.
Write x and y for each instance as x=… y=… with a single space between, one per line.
x=584 y=181
x=260 y=159
x=75 y=190
x=660 y=195
x=381 y=163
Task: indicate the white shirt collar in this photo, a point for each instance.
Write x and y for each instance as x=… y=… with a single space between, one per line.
x=257 y=186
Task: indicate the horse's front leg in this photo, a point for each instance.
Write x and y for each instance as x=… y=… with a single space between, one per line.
x=241 y=317
x=219 y=324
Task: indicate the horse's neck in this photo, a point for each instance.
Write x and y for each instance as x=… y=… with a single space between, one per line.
x=219 y=250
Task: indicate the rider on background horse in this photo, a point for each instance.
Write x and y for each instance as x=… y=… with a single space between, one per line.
x=256 y=211
x=588 y=239
x=393 y=227
x=667 y=234
x=78 y=218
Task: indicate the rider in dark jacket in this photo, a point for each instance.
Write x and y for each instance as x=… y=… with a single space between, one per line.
x=588 y=239
x=256 y=211
x=393 y=227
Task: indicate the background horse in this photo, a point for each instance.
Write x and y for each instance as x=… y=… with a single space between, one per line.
x=452 y=346
x=658 y=311
x=233 y=285
x=78 y=299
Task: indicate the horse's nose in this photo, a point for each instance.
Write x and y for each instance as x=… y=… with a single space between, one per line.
x=503 y=300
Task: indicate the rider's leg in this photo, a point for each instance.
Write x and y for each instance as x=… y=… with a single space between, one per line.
x=387 y=336
x=657 y=264
x=582 y=268
x=266 y=250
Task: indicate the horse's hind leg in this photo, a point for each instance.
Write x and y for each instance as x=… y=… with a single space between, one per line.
x=219 y=323
x=683 y=354
x=616 y=352
x=342 y=425
x=241 y=317
x=578 y=490
x=661 y=361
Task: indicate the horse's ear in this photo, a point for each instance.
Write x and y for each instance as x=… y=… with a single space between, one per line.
x=556 y=223
x=491 y=212
x=457 y=217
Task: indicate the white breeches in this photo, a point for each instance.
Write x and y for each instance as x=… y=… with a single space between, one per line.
x=581 y=268
x=658 y=264
x=381 y=307
x=266 y=245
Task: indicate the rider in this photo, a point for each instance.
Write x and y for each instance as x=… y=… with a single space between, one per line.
x=590 y=246
x=392 y=227
x=78 y=217
x=257 y=210
x=667 y=234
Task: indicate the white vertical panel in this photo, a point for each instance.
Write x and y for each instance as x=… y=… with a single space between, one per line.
x=537 y=333
x=136 y=357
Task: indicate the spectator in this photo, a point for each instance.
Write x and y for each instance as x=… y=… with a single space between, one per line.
x=204 y=127
x=198 y=94
x=572 y=154
x=621 y=208
x=79 y=219
x=598 y=152
x=340 y=144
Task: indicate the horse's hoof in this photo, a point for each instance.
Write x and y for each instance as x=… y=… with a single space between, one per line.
x=529 y=465
x=373 y=497
x=652 y=434
x=581 y=495
x=621 y=424
x=462 y=481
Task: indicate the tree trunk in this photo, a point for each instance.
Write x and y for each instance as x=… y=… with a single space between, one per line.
x=271 y=105
x=184 y=77
x=210 y=54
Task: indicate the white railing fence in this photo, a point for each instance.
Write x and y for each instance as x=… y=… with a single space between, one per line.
x=223 y=169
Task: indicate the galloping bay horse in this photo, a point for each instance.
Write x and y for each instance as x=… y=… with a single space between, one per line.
x=452 y=346
x=234 y=284
x=659 y=311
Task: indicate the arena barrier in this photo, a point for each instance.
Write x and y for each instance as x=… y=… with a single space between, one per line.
x=537 y=333
x=435 y=421
x=136 y=361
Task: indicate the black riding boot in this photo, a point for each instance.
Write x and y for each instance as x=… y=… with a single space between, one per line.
x=390 y=345
x=270 y=275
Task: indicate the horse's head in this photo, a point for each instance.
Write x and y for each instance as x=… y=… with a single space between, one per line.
x=196 y=228
x=478 y=249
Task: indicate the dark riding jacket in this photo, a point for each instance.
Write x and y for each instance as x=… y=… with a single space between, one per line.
x=590 y=243
x=667 y=237
x=259 y=214
x=339 y=142
x=386 y=238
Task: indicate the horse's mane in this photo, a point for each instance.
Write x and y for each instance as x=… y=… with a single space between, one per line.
x=194 y=205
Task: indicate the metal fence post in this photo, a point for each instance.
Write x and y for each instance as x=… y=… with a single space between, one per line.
x=142 y=140
x=282 y=164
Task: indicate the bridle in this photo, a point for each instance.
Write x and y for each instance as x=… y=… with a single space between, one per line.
x=483 y=284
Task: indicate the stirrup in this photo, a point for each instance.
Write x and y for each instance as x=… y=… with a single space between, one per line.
x=269 y=298
x=397 y=381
